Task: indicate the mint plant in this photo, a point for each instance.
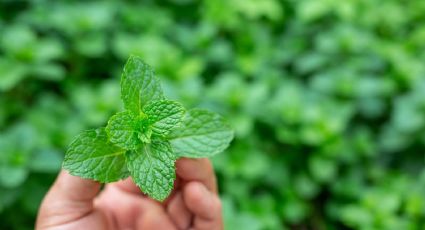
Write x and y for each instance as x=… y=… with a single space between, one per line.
x=145 y=140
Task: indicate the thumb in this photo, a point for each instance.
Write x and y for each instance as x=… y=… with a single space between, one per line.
x=68 y=188
x=69 y=198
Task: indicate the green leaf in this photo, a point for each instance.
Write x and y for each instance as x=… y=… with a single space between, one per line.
x=152 y=169
x=201 y=134
x=91 y=156
x=8 y=197
x=46 y=161
x=163 y=116
x=139 y=85
x=11 y=72
x=12 y=176
x=122 y=130
x=133 y=142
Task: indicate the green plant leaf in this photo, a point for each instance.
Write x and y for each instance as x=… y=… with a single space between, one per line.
x=135 y=143
x=122 y=130
x=163 y=116
x=202 y=134
x=12 y=176
x=139 y=85
x=152 y=169
x=91 y=156
x=46 y=161
x=12 y=72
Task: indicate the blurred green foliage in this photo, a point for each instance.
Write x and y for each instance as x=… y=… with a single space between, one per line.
x=326 y=97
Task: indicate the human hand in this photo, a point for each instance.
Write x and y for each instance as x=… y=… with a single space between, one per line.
x=75 y=203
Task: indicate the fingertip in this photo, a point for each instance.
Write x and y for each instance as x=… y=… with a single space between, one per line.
x=155 y=219
x=74 y=188
x=196 y=192
x=178 y=212
x=127 y=185
x=199 y=169
x=188 y=164
x=202 y=202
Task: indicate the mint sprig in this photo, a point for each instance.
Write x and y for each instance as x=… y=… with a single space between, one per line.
x=145 y=140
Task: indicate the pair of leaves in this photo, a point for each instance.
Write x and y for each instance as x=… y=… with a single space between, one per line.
x=145 y=140
x=92 y=156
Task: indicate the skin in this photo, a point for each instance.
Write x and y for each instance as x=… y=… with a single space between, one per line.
x=76 y=203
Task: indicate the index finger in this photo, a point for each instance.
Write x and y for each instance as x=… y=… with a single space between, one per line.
x=197 y=170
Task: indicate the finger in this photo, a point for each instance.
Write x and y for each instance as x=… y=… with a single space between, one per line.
x=197 y=170
x=125 y=208
x=74 y=189
x=127 y=185
x=205 y=206
x=178 y=212
x=155 y=218
x=69 y=198
x=176 y=189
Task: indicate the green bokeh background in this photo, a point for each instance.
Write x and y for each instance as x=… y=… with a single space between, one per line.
x=327 y=99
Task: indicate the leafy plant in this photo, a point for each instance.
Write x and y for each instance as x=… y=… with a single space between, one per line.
x=325 y=98
x=145 y=140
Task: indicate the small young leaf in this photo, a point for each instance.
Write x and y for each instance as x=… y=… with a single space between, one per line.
x=152 y=169
x=91 y=156
x=163 y=116
x=139 y=85
x=122 y=130
x=202 y=134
